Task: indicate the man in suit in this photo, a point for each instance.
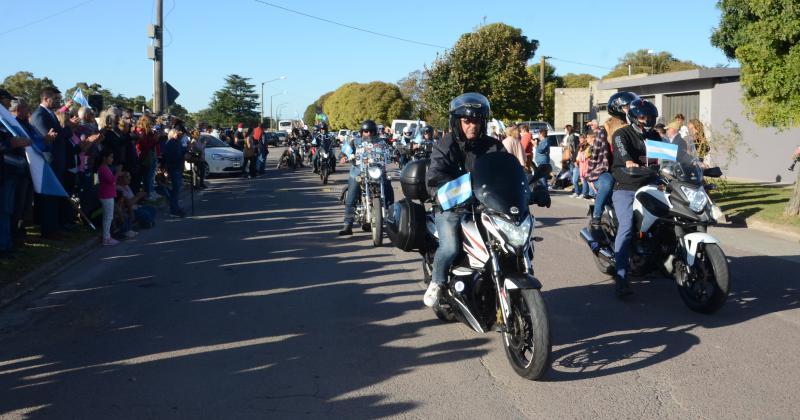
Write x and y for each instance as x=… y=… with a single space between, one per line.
x=686 y=152
x=55 y=211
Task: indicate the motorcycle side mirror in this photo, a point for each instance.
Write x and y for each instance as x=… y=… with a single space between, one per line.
x=714 y=172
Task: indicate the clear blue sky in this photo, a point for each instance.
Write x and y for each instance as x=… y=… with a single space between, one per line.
x=104 y=41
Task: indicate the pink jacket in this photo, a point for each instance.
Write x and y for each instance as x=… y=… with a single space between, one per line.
x=108 y=183
x=514 y=147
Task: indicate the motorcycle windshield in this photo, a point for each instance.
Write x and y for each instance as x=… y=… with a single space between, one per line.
x=500 y=184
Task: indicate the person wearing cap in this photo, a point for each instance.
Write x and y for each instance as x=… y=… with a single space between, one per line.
x=685 y=149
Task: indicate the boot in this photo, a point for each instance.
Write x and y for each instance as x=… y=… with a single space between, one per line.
x=594 y=229
x=621 y=287
x=347 y=229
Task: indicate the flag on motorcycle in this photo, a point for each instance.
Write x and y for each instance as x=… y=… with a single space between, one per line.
x=44 y=180
x=455 y=192
x=347 y=149
x=661 y=150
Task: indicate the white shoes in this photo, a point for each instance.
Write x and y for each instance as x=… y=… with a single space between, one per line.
x=131 y=234
x=432 y=295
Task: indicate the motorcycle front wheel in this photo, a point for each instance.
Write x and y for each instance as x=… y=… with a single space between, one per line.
x=324 y=174
x=527 y=338
x=377 y=222
x=705 y=288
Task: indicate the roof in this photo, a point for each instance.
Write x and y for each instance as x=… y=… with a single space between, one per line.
x=678 y=76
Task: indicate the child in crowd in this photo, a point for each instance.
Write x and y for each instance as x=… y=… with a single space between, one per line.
x=107 y=192
x=144 y=215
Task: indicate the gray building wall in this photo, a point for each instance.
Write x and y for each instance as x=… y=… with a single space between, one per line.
x=567 y=102
x=772 y=149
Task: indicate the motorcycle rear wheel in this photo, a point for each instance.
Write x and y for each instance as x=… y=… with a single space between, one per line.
x=377 y=222
x=707 y=288
x=527 y=340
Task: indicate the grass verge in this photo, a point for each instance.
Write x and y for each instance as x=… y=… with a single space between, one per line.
x=741 y=201
x=38 y=251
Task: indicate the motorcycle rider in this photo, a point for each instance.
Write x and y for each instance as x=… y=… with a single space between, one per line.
x=322 y=140
x=425 y=143
x=369 y=133
x=600 y=178
x=629 y=152
x=451 y=158
x=403 y=145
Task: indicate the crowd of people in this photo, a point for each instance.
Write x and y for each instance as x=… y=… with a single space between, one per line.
x=112 y=165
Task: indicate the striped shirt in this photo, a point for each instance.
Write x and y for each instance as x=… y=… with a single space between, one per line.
x=600 y=160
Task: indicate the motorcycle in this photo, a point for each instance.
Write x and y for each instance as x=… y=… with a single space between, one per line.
x=326 y=161
x=371 y=208
x=491 y=285
x=290 y=157
x=670 y=223
x=423 y=151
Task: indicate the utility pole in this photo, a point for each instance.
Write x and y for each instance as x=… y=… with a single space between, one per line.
x=541 y=87
x=260 y=122
x=158 y=59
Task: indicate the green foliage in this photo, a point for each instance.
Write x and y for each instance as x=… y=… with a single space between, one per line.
x=25 y=85
x=579 y=80
x=136 y=103
x=309 y=116
x=642 y=62
x=353 y=103
x=491 y=61
x=763 y=36
x=236 y=102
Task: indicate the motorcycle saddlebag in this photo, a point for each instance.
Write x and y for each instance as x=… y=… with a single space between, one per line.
x=405 y=225
x=412 y=180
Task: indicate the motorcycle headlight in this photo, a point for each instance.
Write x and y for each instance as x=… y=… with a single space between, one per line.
x=697 y=198
x=516 y=235
x=375 y=172
x=217 y=156
x=324 y=154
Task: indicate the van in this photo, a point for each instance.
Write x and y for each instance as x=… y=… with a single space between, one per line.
x=399 y=125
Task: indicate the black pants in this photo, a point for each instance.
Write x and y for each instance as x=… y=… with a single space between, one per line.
x=250 y=166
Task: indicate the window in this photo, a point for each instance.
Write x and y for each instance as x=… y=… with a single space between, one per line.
x=602 y=107
x=687 y=104
x=579 y=119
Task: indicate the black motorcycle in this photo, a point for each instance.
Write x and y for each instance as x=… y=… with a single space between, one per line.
x=326 y=160
x=491 y=285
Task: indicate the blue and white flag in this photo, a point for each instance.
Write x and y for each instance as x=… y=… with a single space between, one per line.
x=347 y=149
x=661 y=150
x=79 y=98
x=455 y=192
x=44 y=180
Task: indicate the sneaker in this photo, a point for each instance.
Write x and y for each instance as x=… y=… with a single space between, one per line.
x=110 y=242
x=621 y=287
x=574 y=195
x=131 y=234
x=153 y=196
x=432 y=295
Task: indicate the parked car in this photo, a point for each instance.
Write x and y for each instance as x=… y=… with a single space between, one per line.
x=535 y=126
x=283 y=137
x=342 y=136
x=219 y=157
x=271 y=138
x=555 y=139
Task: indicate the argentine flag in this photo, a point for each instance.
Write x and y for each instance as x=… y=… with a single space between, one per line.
x=661 y=150
x=347 y=149
x=455 y=192
x=44 y=180
x=79 y=98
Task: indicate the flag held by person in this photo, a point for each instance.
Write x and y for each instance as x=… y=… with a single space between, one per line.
x=79 y=98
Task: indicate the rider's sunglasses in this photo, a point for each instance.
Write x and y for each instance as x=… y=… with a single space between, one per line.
x=470 y=120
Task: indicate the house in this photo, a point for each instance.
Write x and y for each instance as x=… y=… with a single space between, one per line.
x=713 y=96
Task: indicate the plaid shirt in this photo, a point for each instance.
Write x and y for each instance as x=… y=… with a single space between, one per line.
x=600 y=160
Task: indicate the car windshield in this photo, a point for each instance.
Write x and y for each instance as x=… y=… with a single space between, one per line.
x=210 y=141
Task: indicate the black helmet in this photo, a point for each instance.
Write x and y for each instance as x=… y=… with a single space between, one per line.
x=369 y=126
x=471 y=104
x=618 y=100
x=427 y=130
x=642 y=108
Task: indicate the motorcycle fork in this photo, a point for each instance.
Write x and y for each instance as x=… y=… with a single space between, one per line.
x=505 y=300
x=366 y=201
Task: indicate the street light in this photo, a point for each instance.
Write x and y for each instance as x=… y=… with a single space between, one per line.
x=271 y=117
x=262 y=95
x=278 y=110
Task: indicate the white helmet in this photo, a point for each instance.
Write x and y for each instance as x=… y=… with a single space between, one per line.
x=408 y=132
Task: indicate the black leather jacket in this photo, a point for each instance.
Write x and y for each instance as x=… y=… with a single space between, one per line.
x=451 y=159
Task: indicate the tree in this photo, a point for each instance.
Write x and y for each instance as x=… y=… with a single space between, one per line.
x=25 y=85
x=353 y=103
x=309 y=116
x=236 y=102
x=643 y=62
x=763 y=36
x=580 y=80
x=491 y=61
x=551 y=82
x=412 y=87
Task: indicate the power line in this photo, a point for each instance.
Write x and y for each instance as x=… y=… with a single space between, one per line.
x=349 y=26
x=45 y=18
x=582 y=64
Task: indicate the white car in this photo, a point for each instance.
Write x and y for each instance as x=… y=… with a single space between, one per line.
x=342 y=136
x=555 y=139
x=220 y=158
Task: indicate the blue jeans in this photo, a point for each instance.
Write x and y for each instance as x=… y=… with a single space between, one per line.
x=623 y=206
x=576 y=176
x=354 y=193
x=447 y=226
x=586 y=190
x=604 y=185
x=7 y=196
x=150 y=176
x=176 y=179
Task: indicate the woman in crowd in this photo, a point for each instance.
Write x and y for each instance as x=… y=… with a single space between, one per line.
x=107 y=192
x=698 y=136
x=249 y=152
x=513 y=145
x=146 y=148
x=584 y=153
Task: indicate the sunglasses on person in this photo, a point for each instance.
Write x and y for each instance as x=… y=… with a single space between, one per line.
x=470 y=120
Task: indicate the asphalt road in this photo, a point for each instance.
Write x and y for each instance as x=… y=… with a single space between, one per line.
x=254 y=308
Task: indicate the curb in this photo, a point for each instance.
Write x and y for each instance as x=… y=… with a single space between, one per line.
x=782 y=231
x=38 y=277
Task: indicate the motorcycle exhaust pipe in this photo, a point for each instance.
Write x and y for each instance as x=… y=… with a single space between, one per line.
x=595 y=245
